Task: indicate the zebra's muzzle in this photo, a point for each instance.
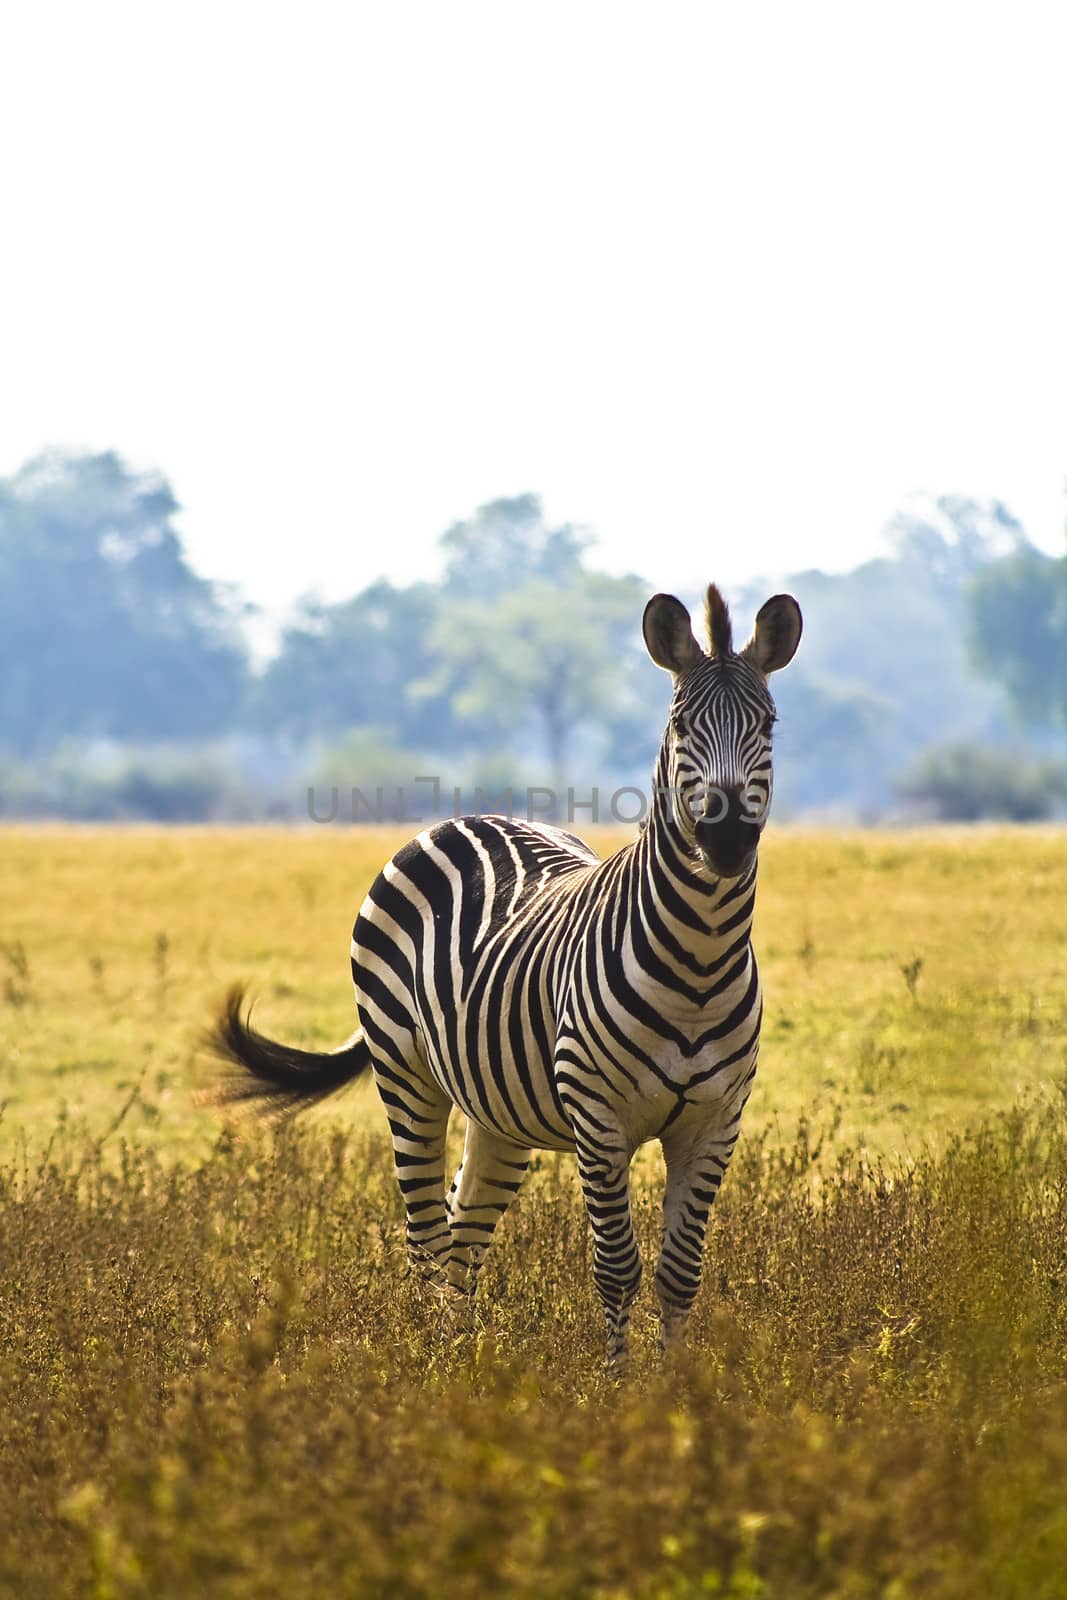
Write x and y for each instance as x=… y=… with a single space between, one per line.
x=727 y=837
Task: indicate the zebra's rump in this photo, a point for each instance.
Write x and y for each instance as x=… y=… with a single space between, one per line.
x=456 y=959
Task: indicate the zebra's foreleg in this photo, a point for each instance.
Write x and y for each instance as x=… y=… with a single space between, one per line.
x=695 y=1169
x=605 y=1173
x=485 y=1185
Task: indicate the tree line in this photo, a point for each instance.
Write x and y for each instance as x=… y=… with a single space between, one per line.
x=106 y=632
x=522 y=655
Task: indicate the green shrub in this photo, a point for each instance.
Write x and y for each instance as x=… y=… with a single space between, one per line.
x=969 y=783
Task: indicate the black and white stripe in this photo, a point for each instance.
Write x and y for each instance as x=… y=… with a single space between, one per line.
x=566 y=1003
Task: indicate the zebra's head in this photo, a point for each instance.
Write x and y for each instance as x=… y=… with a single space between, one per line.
x=716 y=756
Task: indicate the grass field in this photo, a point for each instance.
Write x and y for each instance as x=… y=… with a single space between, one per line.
x=216 y=1378
x=914 y=982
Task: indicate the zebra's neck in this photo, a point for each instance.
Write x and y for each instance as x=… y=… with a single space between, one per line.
x=697 y=923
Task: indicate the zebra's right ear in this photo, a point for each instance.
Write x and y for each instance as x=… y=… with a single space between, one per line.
x=668 y=632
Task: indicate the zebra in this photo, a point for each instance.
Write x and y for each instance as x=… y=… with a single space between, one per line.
x=562 y=1002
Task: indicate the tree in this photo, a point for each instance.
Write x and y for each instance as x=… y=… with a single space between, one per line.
x=104 y=628
x=952 y=536
x=1017 y=632
x=883 y=670
x=506 y=544
x=542 y=663
x=963 y=782
x=516 y=648
x=352 y=665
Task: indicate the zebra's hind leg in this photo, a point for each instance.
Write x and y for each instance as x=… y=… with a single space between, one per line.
x=418 y=1121
x=696 y=1165
x=604 y=1168
x=485 y=1185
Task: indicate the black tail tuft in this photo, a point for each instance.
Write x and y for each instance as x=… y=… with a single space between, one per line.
x=278 y=1075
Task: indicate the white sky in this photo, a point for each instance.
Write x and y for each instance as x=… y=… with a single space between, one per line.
x=726 y=282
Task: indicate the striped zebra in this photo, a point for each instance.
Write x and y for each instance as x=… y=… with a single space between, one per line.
x=568 y=1003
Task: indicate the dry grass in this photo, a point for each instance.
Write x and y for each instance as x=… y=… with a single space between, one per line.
x=115 y=945
x=221 y=1382
x=218 y=1380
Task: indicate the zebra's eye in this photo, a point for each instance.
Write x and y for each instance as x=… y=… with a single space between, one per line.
x=768 y=724
x=678 y=726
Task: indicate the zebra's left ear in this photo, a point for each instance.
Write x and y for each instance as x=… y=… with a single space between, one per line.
x=668 y=634
x=776 y=635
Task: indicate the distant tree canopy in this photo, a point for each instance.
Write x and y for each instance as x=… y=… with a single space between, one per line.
x=883 y=671
x=521 y=661
x=544 y=660
x=962 y=782
x=507 y=544
x=351 y=666
x=104 y=629
x=528 y=640
x=1017 y=632
x=952 y=537
x=519 y=647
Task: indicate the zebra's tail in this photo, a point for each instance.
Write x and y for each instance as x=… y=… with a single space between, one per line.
x=279 y=1076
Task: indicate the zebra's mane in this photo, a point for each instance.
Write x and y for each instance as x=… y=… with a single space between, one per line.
x=717 y=620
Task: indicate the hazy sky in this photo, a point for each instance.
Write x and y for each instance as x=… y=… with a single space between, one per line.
x=725 y=282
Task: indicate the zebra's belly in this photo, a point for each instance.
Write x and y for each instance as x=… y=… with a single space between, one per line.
x=526 y=1108
x=502 y=1079
x=522 y=1132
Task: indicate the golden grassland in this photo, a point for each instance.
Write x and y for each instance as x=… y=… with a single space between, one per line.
x=913 y=981
x=217 y=1377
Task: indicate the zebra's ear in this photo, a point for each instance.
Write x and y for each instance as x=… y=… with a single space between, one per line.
x=668 y=632
x=776 y=635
